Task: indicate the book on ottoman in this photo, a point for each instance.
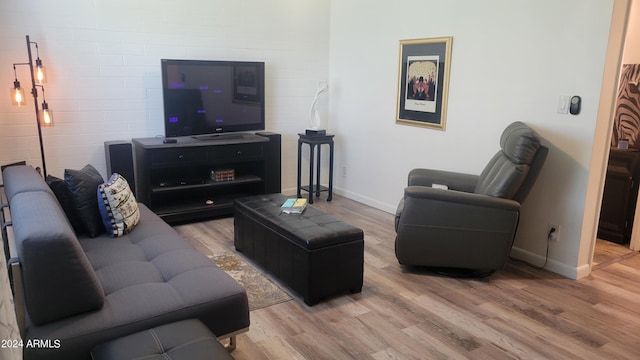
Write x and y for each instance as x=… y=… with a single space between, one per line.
x=294 y=206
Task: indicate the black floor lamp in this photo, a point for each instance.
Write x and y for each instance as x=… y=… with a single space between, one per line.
x=45 y=118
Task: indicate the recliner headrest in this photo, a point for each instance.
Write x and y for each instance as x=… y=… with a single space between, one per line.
x=519 y=143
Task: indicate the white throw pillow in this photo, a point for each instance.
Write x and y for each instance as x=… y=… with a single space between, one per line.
x=118 y=206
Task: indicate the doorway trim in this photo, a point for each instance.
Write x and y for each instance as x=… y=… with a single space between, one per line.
x=603 y=131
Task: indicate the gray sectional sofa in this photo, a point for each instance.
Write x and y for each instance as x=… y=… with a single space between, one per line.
x=80 y=291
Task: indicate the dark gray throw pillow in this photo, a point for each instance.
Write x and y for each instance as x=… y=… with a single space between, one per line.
x=83 y=186
x=63 y=195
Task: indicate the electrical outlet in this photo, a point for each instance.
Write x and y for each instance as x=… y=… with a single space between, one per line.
x=553 y=232
x=344 y=171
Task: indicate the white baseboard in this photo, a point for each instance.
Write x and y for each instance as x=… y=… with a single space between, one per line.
x=554 y=266
x=390 y=208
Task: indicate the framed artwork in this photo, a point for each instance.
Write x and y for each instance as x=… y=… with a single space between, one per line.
x=423 y=82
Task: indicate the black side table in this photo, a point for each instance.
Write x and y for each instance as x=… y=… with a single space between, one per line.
x=315 y=141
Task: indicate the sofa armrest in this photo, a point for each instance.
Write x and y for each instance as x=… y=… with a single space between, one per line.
x=17 y=285
x=453 y=180
x=58 y=279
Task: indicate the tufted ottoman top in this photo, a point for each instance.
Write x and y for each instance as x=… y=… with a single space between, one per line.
x=312 y=229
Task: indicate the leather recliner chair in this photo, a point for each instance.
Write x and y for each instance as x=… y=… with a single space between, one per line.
x=462 y=224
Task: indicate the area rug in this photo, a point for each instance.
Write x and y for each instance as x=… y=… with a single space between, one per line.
x=261 y=291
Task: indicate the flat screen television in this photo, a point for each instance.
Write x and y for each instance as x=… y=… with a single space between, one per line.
x=207 y=97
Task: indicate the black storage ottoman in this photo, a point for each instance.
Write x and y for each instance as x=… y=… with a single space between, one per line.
x=313 y=253
x=187 y=339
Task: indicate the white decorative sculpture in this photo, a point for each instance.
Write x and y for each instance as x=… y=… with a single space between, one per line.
x=314 y=115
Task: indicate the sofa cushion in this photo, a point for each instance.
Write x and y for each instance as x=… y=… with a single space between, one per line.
x=187 y=339
x=29 y=180
x=118 y=206
x=82 y=185
x=58 y=278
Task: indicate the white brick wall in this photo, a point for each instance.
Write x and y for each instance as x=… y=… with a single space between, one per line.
x=103 y=64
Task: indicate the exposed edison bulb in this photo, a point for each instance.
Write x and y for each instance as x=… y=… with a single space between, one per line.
x=40 y=73
x=18 y=97
x=47 y=116
x=17 y=94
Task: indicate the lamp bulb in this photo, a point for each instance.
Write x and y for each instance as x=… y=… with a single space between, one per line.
x=40 y=75
x=40 y=72
x=17 y=97
x=47 y=117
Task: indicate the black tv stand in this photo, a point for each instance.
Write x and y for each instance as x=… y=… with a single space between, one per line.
x=208 y=137
x=175 y=180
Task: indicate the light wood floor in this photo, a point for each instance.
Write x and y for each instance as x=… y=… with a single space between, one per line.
x=608 y=252
x=403 y=313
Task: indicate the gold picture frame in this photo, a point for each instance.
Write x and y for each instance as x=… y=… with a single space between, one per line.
x=423 y=82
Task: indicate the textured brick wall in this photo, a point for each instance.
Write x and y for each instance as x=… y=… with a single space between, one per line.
x=103 y=62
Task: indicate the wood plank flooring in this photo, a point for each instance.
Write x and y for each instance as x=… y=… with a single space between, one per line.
x=408 y=313
x=608 y=252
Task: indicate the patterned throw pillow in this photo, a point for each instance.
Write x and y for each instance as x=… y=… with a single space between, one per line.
x=118 y=206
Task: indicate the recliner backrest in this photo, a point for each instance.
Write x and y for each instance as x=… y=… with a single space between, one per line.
x=508 y=170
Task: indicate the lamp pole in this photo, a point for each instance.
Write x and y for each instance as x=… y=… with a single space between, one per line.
x=34 y=92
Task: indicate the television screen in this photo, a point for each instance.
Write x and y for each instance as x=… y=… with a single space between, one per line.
x=208 y=97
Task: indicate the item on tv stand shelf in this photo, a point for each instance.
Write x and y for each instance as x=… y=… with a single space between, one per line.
x=220 y=175
x=312 y=132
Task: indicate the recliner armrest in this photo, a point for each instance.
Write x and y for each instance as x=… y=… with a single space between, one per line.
x=459 y=197
x=454 y=180
x=421 y=200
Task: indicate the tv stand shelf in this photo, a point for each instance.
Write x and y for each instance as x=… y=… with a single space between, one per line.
x=173 y=179
x=207 y=183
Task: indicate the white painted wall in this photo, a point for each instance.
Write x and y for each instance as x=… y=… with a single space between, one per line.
x=511 y=61
x=103 y=61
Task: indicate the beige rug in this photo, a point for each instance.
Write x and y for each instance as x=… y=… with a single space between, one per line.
x=261 y=291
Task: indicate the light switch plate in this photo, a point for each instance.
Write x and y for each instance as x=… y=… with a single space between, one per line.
x=563 y=104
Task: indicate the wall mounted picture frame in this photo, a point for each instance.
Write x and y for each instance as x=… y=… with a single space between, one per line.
x=423 y=82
